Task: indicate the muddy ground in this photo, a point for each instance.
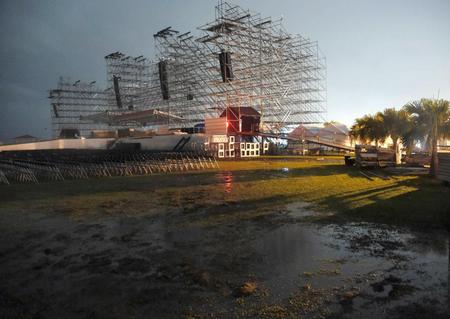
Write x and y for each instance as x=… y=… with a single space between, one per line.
x=160 y=264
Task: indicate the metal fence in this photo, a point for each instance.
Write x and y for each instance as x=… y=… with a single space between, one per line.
x=58 y=165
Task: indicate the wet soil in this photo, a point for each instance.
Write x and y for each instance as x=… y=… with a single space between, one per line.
x=274 y=265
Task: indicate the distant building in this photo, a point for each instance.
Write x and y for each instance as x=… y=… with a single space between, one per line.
x=25 y=139
x=306 y=139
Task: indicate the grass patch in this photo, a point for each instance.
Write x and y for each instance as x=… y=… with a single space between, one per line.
x=244 y=190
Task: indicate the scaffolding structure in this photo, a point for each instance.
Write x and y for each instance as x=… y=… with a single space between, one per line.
x=76 y=105
x=72 y=100
x=240 y=59
x=129 y=78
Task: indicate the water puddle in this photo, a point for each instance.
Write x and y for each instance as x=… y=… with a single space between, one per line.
x=299 y=210
x=225 y=178
x=378 y=266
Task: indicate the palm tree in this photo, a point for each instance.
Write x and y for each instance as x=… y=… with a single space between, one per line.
x=377 y=129
x=358 y=130
x=369 y=128
x=433 y=119
x=413 y=135
x=395 y=123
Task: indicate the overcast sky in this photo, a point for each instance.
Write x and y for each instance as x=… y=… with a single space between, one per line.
x=380 y=53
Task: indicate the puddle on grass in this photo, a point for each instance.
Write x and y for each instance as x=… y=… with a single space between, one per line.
x=389 y=269
x=226 y=178
x=299 y=210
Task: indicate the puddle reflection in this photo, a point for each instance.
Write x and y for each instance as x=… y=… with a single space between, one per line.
x=226 y=178
x=363 y=255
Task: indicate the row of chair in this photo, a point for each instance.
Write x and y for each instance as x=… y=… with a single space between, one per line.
x=58 y=165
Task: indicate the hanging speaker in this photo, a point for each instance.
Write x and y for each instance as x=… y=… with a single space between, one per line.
x=163 y=79
x=226 y=69
x=55 y=109
x=117 y=91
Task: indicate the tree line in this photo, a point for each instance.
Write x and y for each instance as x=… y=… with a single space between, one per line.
x=425 y=121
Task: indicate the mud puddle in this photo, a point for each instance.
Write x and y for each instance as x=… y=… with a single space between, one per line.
x=360 y=270
x=276 y=266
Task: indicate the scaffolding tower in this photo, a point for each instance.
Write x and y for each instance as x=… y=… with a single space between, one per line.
x=239 y=59
x=72 y=100
x=82 y=106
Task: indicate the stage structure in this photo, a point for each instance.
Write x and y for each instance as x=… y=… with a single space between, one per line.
x=240 y=59
x=75 y=105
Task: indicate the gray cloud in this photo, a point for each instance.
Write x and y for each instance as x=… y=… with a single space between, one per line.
x=379 y=53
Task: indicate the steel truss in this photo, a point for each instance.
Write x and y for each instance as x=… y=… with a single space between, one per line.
x=279 y=74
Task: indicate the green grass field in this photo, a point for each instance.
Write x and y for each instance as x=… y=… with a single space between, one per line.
x=245 y=190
